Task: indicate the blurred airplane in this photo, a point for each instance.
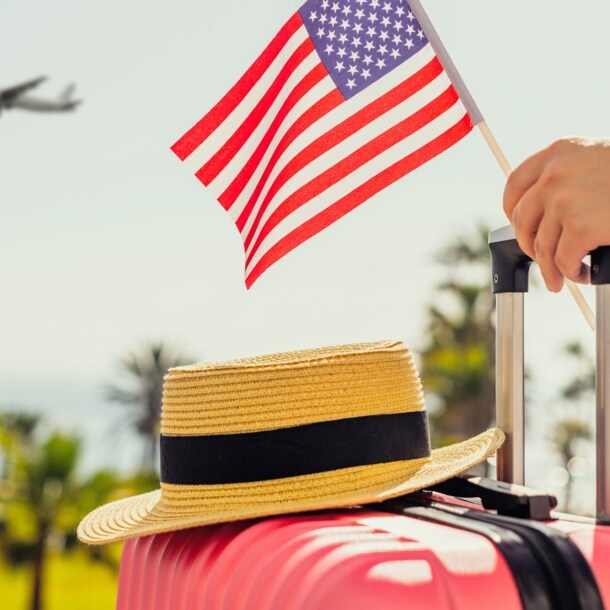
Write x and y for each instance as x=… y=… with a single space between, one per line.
x=18 y=97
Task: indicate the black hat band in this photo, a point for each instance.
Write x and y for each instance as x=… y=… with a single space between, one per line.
x=296 y=451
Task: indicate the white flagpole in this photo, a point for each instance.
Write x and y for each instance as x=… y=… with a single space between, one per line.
x=477 y=119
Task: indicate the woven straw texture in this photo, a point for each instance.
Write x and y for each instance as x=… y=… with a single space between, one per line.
x=280 y=391
x=290 y=389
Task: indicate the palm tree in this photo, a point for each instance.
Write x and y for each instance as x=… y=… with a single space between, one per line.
x=576 y=426
x=41 y=481
x=145 y=368
x=48 y=477
x=458 y=357
x=566 y=433
x=16 y=435
x=583 y=384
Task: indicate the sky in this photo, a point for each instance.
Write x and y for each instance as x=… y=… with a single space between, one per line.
x=107 y=242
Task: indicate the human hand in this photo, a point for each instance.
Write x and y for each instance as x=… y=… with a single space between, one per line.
x=558 y=202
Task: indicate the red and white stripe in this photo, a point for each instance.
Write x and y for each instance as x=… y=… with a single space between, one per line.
x=286 y=155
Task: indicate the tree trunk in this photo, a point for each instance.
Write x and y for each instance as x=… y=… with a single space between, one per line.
x=40 y=553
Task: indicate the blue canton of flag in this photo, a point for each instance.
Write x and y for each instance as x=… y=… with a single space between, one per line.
x=360 y=41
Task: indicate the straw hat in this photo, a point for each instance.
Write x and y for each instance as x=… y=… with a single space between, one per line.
x=299 y=431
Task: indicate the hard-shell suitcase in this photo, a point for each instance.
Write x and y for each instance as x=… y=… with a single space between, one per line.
x=423 y=551
x=436 y=549
x=350 y=559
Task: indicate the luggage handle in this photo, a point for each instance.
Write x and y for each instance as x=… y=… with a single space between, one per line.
x=505 y=498
x=600 y=278
x=510 y=280
x=510 y=269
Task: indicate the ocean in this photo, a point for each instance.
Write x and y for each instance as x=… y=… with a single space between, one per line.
x=75 y=404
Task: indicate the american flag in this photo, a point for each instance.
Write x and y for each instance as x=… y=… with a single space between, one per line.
x=348 y=97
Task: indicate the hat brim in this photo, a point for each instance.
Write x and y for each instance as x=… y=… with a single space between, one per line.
x=150 y=514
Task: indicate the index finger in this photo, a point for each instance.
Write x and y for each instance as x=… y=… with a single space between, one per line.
x=522 y=179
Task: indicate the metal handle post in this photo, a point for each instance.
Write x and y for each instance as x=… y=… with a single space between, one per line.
x=510 y=271
x=602 y=391
x=600 y=278
x=509 y=386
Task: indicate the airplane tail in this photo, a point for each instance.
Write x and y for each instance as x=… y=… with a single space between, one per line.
x=66 y=94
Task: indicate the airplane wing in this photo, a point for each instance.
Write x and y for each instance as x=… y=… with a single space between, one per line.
x=9 y=94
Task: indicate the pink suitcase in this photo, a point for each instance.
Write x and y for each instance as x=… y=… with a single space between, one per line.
x=429 y=550
x=338 y=560
x=421 y=558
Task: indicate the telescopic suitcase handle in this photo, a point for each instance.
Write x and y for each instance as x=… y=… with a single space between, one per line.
x=510 y=275
x=600 y=278
x=510 y=272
